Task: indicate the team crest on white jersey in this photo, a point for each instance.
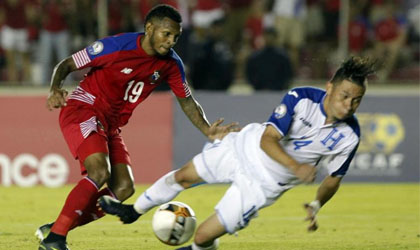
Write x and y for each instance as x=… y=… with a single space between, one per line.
x=280 y=111
x=154 y=77
x=96 y=48
x=126 y=71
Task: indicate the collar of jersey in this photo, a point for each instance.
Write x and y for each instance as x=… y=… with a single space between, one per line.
x=321 y=105
x=140 y=48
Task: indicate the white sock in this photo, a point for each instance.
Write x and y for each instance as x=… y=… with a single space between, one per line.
x=162 y=191
x=212 y=247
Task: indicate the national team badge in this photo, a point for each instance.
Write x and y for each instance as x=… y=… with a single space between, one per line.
x=96 y=48
x=154 y=77
x=280 y=111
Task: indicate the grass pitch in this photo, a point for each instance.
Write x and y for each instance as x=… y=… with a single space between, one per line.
x=360 y=216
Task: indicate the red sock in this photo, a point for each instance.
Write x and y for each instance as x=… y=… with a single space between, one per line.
x=92 y=211
x=76 y=203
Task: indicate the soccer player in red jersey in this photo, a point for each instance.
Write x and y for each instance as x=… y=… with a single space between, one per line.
x=124 y=71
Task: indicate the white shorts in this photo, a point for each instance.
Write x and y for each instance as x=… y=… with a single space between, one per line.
x=14 y=39
x=219 y=163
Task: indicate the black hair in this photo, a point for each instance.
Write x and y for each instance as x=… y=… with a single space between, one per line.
x=355 y=70
x=161 y=11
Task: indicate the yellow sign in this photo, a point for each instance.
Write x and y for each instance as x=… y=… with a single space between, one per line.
x=381 y=132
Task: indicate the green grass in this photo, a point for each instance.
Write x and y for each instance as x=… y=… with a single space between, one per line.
x=361 y=216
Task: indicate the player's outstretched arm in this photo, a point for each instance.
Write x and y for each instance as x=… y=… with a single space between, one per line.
x=195 y=113
x=271 y=146
x=57 y=95
x=326 y=191
x=218 y=131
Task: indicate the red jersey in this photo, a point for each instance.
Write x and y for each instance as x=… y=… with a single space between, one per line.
x=122 y=76
x=54 y=17
x=15 y=16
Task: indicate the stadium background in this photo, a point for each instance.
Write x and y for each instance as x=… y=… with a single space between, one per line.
x=33 y=151
x=159 y=136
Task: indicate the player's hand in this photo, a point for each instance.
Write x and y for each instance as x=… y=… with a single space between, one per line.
x=311 y=216
x=305 y=173
x=218 y=131
x=56 y=99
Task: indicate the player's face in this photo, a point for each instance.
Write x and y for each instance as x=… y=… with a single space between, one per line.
x=163 y=35
x=343 y=99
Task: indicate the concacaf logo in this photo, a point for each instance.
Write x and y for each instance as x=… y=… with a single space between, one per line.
x=380 y=132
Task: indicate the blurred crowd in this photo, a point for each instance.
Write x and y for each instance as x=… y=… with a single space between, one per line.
x=265 y=44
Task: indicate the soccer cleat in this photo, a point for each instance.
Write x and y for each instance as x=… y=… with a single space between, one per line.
x=185 y=248
x=42 y=232
x=126 y=213
x=56 y=245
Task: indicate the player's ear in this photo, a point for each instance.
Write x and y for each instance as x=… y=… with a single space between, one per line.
x=329 y=87
x=149 y=28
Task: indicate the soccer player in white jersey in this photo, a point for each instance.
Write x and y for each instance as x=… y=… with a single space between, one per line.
x=262 y=161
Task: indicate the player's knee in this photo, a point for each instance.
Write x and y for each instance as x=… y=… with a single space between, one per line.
x=186 y=176
x=98 y=168
x=99 y=176
x=202 y=237
x=124 y=190
x=185 y=184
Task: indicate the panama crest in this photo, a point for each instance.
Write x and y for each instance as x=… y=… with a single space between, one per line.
x=155 y=76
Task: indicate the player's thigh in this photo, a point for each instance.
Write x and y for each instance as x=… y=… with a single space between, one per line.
x=97 y=162
x=240 y=203
x=94 y=158
x=218 y=162
x=78 y=122
x=187 y=175
x=121 y=181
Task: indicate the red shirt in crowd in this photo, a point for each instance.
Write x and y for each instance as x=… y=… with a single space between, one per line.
x=15 y=15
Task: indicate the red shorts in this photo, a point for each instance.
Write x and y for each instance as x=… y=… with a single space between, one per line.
x=86 y=135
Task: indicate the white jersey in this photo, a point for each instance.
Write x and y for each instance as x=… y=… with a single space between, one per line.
x=300 y=118
x=256 y=179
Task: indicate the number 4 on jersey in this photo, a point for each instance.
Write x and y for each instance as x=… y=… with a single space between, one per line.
x=299 y=144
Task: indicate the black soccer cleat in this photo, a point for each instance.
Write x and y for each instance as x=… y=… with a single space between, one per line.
x=42 y=232
x=126 y=213
x=56 y=245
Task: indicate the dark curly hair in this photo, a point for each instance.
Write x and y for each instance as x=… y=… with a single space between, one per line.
x=355 y=70
x=161 y=11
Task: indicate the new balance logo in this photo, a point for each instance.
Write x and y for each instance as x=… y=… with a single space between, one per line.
x=126 y=71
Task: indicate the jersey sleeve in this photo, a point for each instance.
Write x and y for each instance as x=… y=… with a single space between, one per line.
x=339 y=164
x=99 y=54
x=176 y=78
x=282 y=116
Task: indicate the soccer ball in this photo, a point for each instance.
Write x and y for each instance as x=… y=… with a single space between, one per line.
x=174 y=223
